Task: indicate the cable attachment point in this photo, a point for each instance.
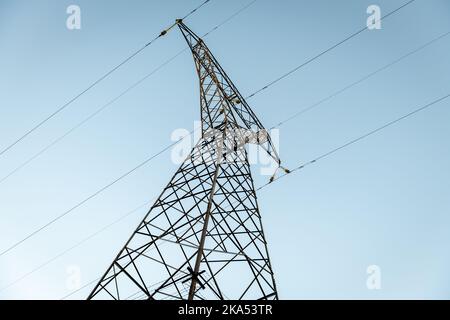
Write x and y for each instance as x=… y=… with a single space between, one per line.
x=164 y=32
x=272 y=178
x=286 y=170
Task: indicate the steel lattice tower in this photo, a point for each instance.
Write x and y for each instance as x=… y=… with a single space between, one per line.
x=203 y=238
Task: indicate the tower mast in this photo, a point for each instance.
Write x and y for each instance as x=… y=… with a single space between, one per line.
x=203 y=237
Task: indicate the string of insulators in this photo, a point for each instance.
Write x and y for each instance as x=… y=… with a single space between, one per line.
x=286 y=171
x=165 y=31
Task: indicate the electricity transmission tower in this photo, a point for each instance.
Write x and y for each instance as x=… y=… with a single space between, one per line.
x=203 y=237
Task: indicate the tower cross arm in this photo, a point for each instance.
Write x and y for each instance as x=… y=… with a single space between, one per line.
x=220 y=98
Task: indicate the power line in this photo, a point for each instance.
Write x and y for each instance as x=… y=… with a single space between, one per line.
x=372 y=132
x=112 y=101
x=168 y=61
x=322 y=156
x=95 y=113
x=52 y=221
x=88 y=118
x=362 y=137
x=30 y=235
x=95 y=83
x=79 y=289
x=353 y=141
x=195 y=9
x=97 y=279
x=230 y=18
x=91 y=116
x=38 y=230
x=323 y=52
x=79 y=243
x=362 y=79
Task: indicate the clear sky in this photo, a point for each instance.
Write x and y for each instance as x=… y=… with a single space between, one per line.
x=383 y=201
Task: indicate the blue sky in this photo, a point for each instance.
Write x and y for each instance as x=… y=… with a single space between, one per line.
x=383 y=201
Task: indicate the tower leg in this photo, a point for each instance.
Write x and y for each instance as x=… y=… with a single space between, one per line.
x=202 y=239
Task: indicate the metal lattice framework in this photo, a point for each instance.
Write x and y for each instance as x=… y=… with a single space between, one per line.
x=203 y=237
